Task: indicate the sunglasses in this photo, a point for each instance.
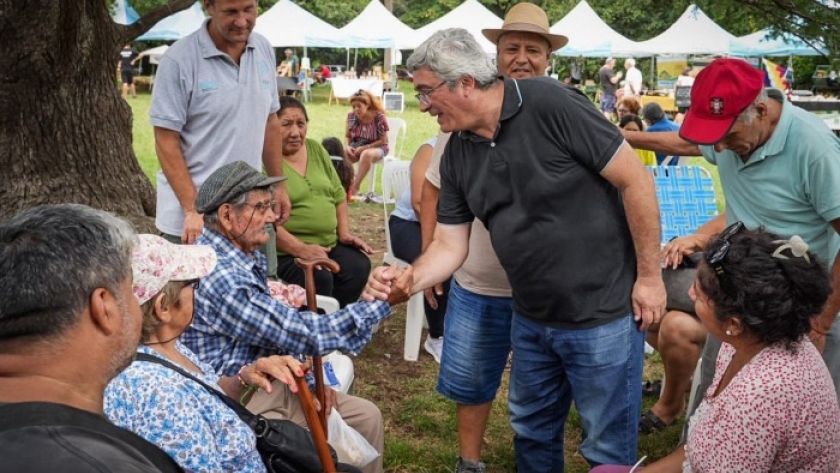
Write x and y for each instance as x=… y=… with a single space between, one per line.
x=716 y=258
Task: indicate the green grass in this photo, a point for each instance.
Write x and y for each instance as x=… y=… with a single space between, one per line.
x=420 y=424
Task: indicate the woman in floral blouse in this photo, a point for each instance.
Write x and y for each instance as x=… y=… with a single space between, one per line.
x=771 y=406
x=175 y=413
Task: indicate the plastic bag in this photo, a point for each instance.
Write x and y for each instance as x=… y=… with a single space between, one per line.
x=350 y=445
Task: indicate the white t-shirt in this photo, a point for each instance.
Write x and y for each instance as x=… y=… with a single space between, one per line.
x=633 y=82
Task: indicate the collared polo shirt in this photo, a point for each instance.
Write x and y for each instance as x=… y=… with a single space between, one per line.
x=791 y=184
x=220 y=108
x=558 y=227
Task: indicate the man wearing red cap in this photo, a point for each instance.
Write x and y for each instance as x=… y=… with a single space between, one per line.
x=779 y=168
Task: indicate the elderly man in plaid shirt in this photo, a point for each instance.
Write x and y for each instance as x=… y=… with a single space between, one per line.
x=237 y=320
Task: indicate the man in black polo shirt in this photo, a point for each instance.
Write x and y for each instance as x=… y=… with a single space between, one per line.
x=573 y=218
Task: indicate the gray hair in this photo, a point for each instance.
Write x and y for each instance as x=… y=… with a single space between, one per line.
x=750 y=113
x=452 y=54
x=630 y=61
x=52 y=258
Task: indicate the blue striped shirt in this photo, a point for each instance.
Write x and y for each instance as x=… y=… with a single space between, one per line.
x=237 y=320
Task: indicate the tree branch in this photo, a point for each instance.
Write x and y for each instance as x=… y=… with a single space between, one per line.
x=128 y=32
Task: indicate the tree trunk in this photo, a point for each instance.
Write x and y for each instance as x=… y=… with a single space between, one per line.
x=65 y=131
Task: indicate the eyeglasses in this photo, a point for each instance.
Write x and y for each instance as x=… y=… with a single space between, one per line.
x=426 y=97
x=715 y=259
x=262 y=206
x=193 y=283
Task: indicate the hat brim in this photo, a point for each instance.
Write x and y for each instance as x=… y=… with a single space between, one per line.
x=704 y=131
x=556 y=41
x=196 y=261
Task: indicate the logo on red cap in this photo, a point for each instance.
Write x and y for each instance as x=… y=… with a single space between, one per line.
x=716 y=106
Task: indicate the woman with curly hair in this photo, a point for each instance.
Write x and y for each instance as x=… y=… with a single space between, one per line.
x=771 y=405
x=367 y=136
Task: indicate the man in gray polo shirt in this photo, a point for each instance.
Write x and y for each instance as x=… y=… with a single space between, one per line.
x=214 y=102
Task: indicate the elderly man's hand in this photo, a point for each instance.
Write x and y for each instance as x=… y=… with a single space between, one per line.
x=264 y=371
x=649 y=300
x=389 y=283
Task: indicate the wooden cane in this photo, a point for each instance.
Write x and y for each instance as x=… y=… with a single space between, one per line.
x=319 y=432
x=318 y=417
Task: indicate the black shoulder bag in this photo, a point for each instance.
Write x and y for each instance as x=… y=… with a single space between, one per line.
x=284 y=446
x=678 y=281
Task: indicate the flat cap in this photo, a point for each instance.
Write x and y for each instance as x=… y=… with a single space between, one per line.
x=228 y=182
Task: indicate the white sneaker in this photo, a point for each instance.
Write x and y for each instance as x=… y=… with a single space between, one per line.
x=434 y=347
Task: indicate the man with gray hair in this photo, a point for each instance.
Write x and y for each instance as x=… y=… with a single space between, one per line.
x=237 y=320
x=480 y=307
x=633 y=79
x=573 y=218
x=69 y=323
x=779 y=169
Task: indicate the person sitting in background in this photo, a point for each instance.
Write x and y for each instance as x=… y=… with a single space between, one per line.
x=323 y=74
x=342 y=165
x=771 y=405
x=628 y=105
x=658 y=122
x=367 y=137
x=68 y=324
x=631 y=122
x=320 y=227
x=406 y=242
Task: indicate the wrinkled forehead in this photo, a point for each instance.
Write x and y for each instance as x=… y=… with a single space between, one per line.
x=522 y=38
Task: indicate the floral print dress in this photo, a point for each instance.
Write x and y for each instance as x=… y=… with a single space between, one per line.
x=181 y=417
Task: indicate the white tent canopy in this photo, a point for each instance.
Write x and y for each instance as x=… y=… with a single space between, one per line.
x=470 y=15
x=287 y=24
x=377 y=25
x=176 y=26
x=589 y=35
x=692 y=33
x=154 y=53
x=762 y=43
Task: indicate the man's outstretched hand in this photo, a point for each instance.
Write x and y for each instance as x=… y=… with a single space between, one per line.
x=389 y=283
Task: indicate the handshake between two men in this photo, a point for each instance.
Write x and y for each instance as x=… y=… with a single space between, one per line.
x=389 y=283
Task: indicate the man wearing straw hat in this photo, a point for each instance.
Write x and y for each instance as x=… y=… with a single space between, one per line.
x=479 y=312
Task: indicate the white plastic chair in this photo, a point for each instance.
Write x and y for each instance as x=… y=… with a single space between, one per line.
x=396 y=179
x=396 y=127
x=341 y=364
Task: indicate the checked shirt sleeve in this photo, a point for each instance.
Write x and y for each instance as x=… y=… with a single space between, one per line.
x=245 y=311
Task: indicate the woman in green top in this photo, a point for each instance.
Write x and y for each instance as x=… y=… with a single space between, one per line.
x=319 y=226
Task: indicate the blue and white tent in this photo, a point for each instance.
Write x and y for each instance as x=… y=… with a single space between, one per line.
x=763 y=43
x=590 y=36
x=177 y=25
x=122 y=13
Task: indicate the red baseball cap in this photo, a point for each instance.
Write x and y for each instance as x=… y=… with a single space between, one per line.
x=721 y=91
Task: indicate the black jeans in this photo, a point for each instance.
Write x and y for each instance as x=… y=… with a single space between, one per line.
x=345 y=286
x=406 y=241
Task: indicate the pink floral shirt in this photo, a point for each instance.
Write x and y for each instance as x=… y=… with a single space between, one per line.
x=778 y=414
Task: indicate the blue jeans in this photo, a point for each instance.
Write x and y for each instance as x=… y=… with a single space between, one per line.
x=599 y=368
x=476 y=349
